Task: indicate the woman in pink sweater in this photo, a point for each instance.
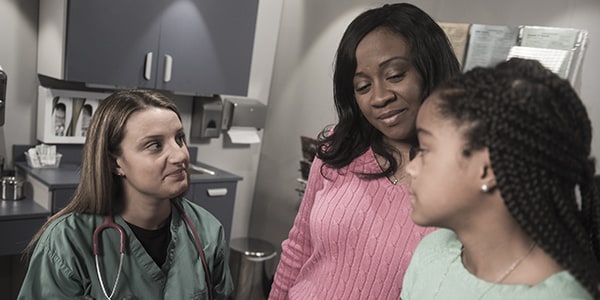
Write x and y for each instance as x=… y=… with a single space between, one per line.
x=353 y=236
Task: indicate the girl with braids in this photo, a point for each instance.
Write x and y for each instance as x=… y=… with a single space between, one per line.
x=504 y=170
x=353 y=236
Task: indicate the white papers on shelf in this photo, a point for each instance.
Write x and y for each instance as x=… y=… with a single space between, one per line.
x=549 y=37
x=489 y=44
x=561 y=45
x=555 y=60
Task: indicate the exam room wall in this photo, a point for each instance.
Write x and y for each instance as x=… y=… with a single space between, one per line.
x=301 y=92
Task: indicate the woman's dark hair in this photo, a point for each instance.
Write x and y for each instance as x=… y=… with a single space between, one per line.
x=539 y=136
x=430 y=53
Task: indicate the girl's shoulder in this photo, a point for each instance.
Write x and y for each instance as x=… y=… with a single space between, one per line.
x=440 y=241
x=442 y=237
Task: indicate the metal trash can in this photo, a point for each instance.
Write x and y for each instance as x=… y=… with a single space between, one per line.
x=249 y=261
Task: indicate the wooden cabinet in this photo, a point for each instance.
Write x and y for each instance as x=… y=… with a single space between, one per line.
x=196 y=47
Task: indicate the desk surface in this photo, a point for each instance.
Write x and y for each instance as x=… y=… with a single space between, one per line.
x=68 y=174
x=21 y=209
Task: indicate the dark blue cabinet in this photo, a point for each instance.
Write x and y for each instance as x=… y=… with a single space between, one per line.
x=196 y=47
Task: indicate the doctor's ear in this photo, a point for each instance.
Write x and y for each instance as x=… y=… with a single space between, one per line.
x=115 y=168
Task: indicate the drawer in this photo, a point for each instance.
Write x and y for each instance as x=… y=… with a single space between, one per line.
x=218 y=198
x=16 y=234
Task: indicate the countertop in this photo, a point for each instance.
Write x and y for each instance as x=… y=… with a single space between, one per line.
x=67 y=175
x=21 y=209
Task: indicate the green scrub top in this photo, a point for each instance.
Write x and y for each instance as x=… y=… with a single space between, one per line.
x=62 y=265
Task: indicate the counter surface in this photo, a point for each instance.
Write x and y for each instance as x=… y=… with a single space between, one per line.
x=21 y=209
x=68 y=174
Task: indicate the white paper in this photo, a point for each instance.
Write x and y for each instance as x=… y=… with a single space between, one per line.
x=549 y=37
x=243 y=135
x=489 y=44
x=571 y=41
x=554 y=59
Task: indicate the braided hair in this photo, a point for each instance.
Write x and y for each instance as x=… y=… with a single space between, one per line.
x=538 y=134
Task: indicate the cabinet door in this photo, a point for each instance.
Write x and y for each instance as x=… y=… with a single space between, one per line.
x=17 y=233
x=218 y=199
x=108 y=41
x=60 y=198
x=210 y=44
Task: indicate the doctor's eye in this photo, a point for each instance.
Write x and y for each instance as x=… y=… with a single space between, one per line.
x=153 y=146
x=181 y=139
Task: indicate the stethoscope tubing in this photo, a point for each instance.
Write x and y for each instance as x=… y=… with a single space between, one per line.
x=198 y=242
x=110 y=223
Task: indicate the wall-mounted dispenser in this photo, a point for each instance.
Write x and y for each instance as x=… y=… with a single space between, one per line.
x=207 y=115
x=243 y=112
x=232 y=114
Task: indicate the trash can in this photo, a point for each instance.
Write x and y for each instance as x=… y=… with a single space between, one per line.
x=250 y=261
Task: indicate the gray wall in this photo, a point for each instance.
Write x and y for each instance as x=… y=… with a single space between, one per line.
x=18 y=52
x=301 y=93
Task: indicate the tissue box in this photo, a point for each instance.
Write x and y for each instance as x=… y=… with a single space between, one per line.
x=39 y=165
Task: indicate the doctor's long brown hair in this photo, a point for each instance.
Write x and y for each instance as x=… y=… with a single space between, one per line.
x=99 y=191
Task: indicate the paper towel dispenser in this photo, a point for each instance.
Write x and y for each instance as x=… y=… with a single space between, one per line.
x=243 y=112
x=211 y=115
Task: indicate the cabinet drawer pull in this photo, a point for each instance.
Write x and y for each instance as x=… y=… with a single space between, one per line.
x=148 y=66
x=217 y=192
x=168 y=67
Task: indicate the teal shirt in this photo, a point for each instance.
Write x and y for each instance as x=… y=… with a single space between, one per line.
x=62 y=265
x=436 y=269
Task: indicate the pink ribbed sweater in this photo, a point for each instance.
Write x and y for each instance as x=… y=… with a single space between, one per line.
x=352 y=238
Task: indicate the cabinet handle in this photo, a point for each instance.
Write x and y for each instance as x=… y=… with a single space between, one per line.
x=168 y=67
x=217 y=192
x=148 y=66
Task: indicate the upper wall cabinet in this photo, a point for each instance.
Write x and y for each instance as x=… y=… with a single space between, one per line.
x=196 y=47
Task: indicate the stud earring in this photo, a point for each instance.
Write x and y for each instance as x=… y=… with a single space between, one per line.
x=485 y=188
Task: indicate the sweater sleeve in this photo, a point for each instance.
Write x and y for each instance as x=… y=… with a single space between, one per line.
x=297 y=248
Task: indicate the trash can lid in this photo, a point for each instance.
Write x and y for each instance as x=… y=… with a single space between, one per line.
x=252 y=247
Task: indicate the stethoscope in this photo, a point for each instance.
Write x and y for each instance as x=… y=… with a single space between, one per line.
x=110 y=223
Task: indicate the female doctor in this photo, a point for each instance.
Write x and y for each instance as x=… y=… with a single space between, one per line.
x=128 y=233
